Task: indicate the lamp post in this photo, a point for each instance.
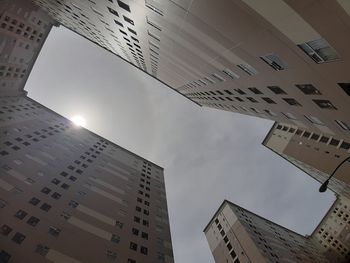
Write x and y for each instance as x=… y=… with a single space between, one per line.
x=324 y=186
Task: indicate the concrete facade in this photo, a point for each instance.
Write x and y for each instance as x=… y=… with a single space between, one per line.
x=333 y=232
x=237 y=235
x=23 y=30
x=317 y=154
x=68 y=195
x=282 y=60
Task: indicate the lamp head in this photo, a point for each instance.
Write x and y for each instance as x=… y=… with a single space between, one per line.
x=323 y=187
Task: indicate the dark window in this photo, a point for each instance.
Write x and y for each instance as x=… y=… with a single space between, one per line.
x=255 y=90
x=4 y=256
x=229 y=246
x=65 y=186
x=325 y=104
x=123 y=5
x=324 y=139
x=137 y=219
x=233 y=254
x=121 y=25
x=64 y=174
x=268 y=100
x=238 y=98
x=131 y=260
x=112 y=11
x=33 y=221
x=133 y=246
x=276 y=90
x=34 y=201
x=54 y=231
x=144 y=235
x=56 y=195
x=5 y=230
x=21 y=214
x=334 y=142
x=306 y=134
x=315 y=136
x=135 y=231
x=292 y=102
x=252 y=99
x=55 y=181
x=240 y=91
x=345 y=87
x=145 y=223
x=128 y=20
x=46 y=207
x=144 y=250
x=18 y=238
x=345 y=145
x=308 y=89
x=46 y=190
x=298 y=132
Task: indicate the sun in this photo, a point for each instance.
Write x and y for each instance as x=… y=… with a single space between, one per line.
x=78 y=120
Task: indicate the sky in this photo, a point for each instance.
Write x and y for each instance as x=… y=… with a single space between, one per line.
x=208 y=155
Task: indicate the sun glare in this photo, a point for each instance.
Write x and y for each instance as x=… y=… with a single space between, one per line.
x=79 y=120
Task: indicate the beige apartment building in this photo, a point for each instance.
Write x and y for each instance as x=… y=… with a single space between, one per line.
x=282 y=60
x=23 y=30
x=236 y=235
x=68 y=195
x=317 y=154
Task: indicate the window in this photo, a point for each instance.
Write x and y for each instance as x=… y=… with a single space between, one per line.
x=111 y=255
x=314 y=120
x=55 y=181
x=145 y=223
x=123 y=5
x=345 y=87
x=144 y=250
x=319 y=50
x=324 y=139
x=135 y=231
x=21 y=214
x=137 y=219
x=5 y=230
x=230 y=73
x=56 y=195
x=18 y=238
x=4 y=256
x=343 y=125
x=289 y=115
x=65 y=186
x=271 y=113
x=131 y=260
x=218 y=77
x=34 y=201
x=268 y=100
x=112 y=11
x=128 y=20
x=248 y=69
x=274 y=61
x=138 y=209
x=325 y=104
x=276 y=90
x=292 y=102
x=115 y=238
x=46 y=190
x=41 y=249
x=144 y=235
x=133 y=246
x=252 y=99
x=54 y=231
x=240 y=91
x=255 y=90
x=46 y=207
x=308 y=89
x=334 y=142
x=33 y=221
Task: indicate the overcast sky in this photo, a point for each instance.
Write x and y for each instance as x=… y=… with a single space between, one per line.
x=208 y=155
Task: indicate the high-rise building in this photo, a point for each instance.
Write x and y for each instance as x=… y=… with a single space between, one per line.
x=333 y=233
x=23 y=30
x=237 y=235
x=317 y=154
x=279 y=59
x=68 y=195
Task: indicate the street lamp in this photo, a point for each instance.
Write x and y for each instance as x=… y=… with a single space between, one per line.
x=324 y=186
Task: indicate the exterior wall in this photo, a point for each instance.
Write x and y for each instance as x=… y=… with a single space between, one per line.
x=234 y=55
x=68 y=195
x=255 y=239
x=333 y=234
x=23 y=30
x=317 y=154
